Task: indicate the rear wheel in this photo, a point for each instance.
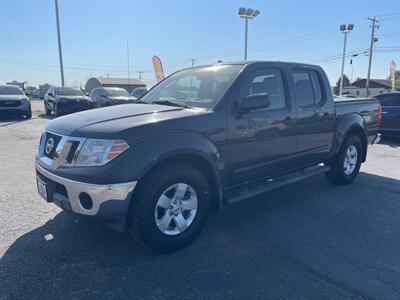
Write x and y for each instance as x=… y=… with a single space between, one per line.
x=347 y=163
x=170 y=207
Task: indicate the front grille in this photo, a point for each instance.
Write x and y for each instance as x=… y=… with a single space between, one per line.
x=10 y=103
x=56 y=139
x=57 y=150
x=72 y=151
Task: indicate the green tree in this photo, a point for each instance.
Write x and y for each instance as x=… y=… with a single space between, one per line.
x=346 y=82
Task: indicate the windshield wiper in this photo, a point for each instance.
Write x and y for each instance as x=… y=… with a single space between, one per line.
x=140 y=101
x=170 y=103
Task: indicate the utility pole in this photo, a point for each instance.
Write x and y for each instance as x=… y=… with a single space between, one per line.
x=373 y=40
x=193 y=60
x=127 y=55
x=59 y=44
x=140 y=74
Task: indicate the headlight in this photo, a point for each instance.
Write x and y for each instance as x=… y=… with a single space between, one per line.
x=99 y=152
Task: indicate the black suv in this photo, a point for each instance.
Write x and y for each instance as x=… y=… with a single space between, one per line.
x=62 y=100
x=108 y=96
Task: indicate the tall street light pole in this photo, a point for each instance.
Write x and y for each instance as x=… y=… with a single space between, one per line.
x=345 y=29
x=59 y=45
x=246 y=14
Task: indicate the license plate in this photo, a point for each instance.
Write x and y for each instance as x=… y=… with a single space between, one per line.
x=42 y=189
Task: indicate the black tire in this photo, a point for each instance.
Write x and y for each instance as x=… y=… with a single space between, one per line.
x=28 y=115
x=338 y=175
x=56 y=112
x=141 y=216
x=47 y=110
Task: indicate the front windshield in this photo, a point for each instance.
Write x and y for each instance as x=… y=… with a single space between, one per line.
x=117 y=93
x=65 y=91
x=197 y=87
x=10 y=90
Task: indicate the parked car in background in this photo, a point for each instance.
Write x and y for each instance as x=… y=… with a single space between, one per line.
x=139 y=92
x=108 y=96
x=13 y=102
x=162 y=165
x=390 y=103
x=63 y=100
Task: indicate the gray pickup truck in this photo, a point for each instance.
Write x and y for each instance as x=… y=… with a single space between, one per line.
x=201 y=138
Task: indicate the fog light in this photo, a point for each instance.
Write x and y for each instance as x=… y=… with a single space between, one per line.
x=86 y=201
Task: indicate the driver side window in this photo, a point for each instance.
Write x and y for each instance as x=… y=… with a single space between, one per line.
x=268 y=81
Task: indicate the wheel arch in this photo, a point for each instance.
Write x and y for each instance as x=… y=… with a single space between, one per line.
x=185 y=147
x=351 y=124
x=203 y=165
x=360 y=133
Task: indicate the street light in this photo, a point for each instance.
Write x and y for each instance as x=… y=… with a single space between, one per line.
x=345 y=29
x=246 y=14
x=59 y=44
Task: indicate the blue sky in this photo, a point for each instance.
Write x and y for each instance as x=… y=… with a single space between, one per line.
x=94 y=35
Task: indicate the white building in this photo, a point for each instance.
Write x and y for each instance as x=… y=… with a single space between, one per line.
x=376 y=87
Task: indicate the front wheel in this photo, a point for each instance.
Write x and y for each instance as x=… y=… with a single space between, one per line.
x=170 y=207
x=56 y=111
x=46 y=108
x=346 y=165
x=28 y=115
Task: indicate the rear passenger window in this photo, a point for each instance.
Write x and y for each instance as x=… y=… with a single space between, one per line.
x=389 y=99
x=267 y=81
x=316 y=86
x=308 y=88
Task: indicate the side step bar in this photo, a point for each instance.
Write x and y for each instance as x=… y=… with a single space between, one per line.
x=262 y=186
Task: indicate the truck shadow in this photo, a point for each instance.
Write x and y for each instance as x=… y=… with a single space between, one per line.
x=391 y=141
x=71 y=257
x=6 y=120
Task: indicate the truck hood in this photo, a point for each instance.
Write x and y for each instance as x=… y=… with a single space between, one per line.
x=109 y=121
x=12 y=97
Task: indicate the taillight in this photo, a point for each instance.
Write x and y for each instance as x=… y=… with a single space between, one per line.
x=379 y=115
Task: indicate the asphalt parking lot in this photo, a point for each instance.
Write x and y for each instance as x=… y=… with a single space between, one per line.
x=307 y=240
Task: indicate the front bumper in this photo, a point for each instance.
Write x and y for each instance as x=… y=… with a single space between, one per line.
x=107 y=200
x=20 y=110
x=74 y=106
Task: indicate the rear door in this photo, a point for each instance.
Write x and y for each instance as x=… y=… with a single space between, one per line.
x=390 y=112
x=315 y=115
x=262 y=141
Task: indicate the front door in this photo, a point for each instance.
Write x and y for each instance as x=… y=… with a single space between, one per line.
x=262 y=141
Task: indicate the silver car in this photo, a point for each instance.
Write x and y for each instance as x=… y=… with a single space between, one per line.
x=13 y=102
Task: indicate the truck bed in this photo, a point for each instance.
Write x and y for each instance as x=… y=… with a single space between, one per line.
x=367 y=108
